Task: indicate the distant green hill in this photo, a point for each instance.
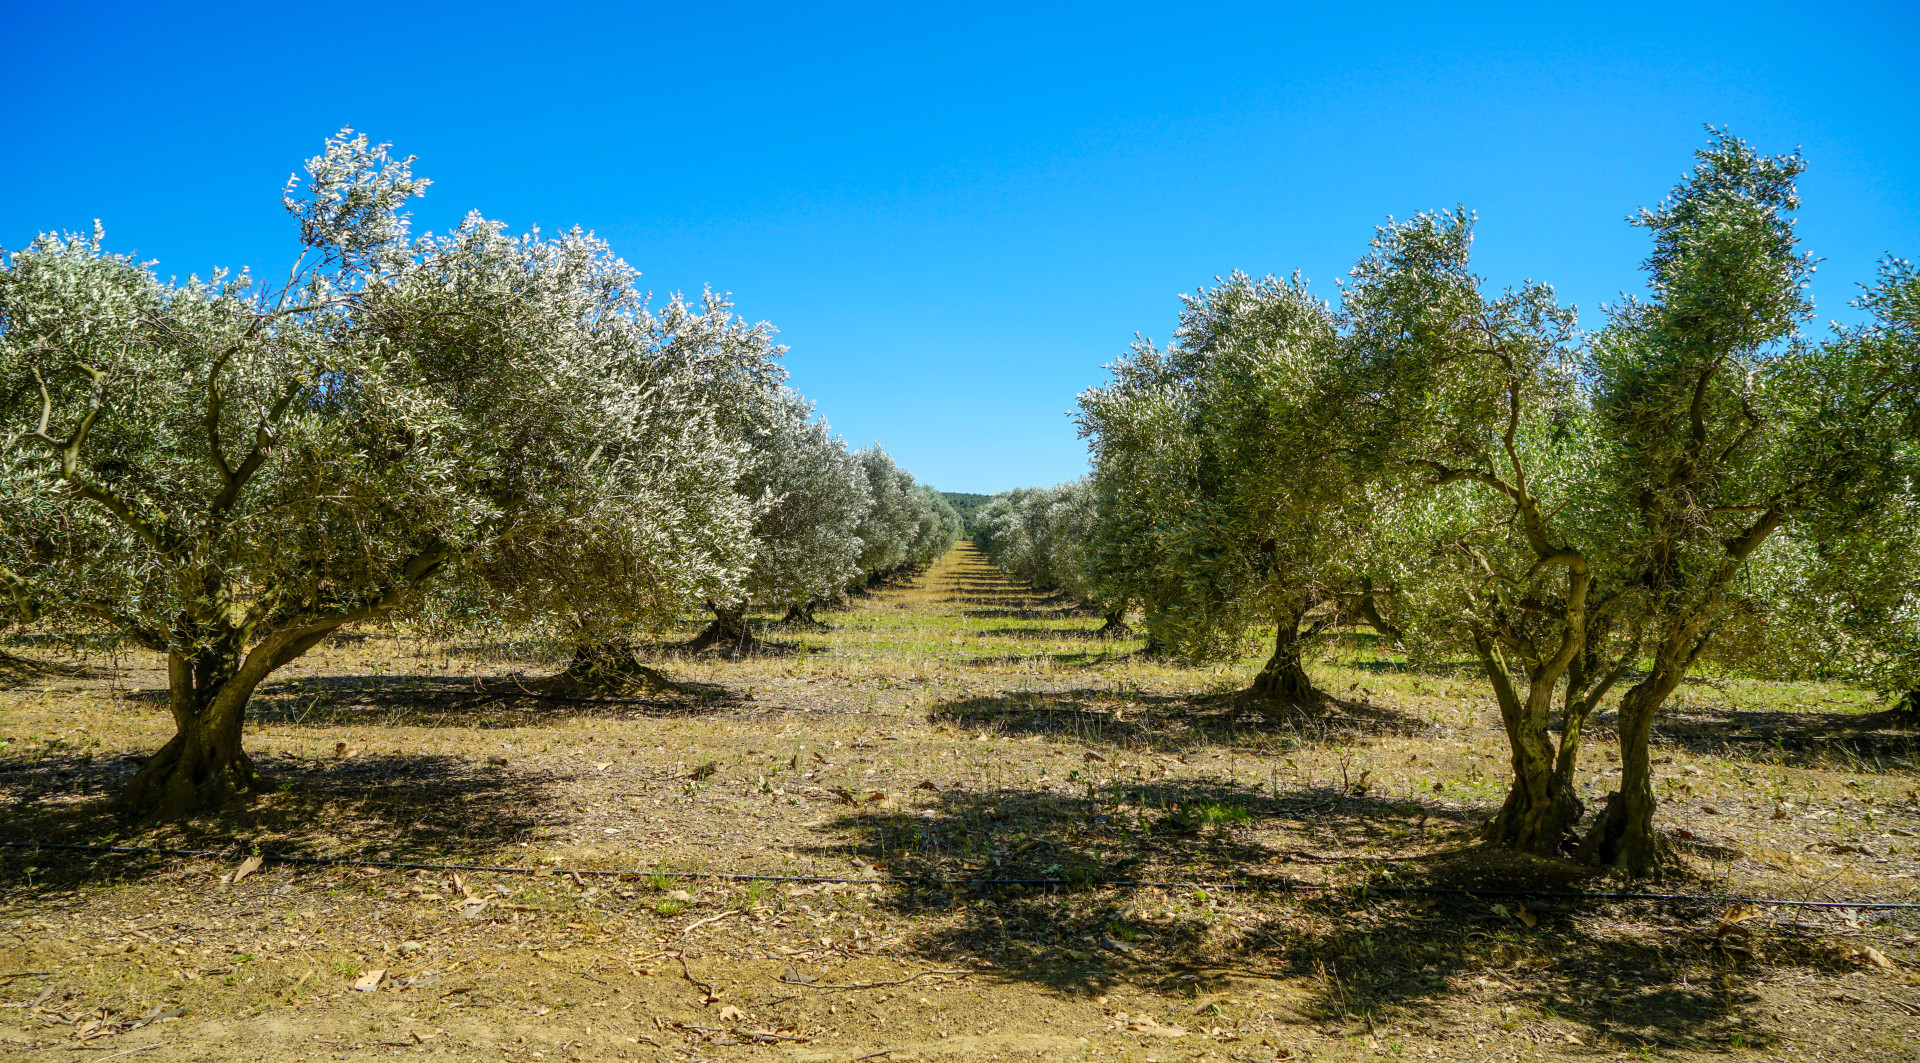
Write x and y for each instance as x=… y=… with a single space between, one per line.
x=967 y=504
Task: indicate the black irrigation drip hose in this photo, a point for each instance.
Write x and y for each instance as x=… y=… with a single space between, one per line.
x=726 y=876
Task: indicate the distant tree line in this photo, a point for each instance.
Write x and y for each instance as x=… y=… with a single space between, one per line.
x=968 y=506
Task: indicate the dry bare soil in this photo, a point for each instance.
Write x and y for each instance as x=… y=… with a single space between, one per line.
x=1037 y=847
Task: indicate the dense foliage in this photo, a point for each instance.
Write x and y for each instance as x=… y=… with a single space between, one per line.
x=1584 y=514
x=475 y=425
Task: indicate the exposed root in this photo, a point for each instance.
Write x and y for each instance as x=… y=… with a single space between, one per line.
x=1286 y=684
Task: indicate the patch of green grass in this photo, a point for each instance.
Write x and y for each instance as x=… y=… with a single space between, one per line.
x=1217 y=816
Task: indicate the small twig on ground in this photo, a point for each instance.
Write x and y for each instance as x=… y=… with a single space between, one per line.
x=865 y=985
x=706 y=988
x=871 y=1055
x=769 y=1037
x=709 y=919
x=131 y=1051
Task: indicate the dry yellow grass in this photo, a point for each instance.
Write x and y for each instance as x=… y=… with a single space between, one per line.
x=961 y=729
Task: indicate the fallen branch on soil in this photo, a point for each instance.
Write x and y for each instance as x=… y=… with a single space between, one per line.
x=131 y=1051
x=707 y=994
x=708 y=919
x=784 y=980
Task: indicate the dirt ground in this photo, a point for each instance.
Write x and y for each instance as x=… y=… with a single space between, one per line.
x=950 y=730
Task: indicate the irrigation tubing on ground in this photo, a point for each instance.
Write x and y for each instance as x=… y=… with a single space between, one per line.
x=1257 y=887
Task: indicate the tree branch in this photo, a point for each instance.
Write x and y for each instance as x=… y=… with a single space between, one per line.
x=67 y=453
x=263 y=440
x=214 y=406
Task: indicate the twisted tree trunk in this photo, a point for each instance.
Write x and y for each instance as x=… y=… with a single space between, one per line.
x=1368 y=606
x=727 y=633
x=1541 y=808
x=210 y=681
x=1622 y=836
x=608 y=667
x=1284 y=678
x=203 y=766
x=1116 y=626
x=801 y=616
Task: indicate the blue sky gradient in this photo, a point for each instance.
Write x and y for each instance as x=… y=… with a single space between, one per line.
x=957 y=215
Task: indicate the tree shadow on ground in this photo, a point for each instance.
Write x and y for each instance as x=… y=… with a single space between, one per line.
x=1049 y=633
x=1023 y=613
x=1078 y=659
x=429 y=808
x=16 y=670
x=1172 y=722
x=454 y=701
x=1142 y=826
x=1123 y=899
x=1812 y=739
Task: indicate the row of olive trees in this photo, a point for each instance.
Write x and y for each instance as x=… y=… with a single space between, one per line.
x=1583 y=514
x=473 y=427
x=1043 y=535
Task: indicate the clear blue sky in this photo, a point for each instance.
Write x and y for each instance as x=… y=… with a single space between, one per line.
x=957 y=214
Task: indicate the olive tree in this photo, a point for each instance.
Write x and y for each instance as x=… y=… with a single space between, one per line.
x=249 y=469
x=891 y=523
x=1720 y=428
x=690 y=372
x=1473 y=407
x=1254 y=512
x=811 y=495
x=1613 y=494
x=1047 y=536
x=938 y=525
x=1140 y=451
x=1017 y=535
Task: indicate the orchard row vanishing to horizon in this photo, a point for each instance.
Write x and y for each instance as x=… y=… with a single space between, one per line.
x=476 y=429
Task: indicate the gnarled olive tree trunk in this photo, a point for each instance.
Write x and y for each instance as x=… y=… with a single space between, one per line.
x=1541 y=808
x=1284 y=677
x=801 y=616
x=728 y=632
x=210 y=681
x=1622 y=836
x=211 y=675
x=1367 y=605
